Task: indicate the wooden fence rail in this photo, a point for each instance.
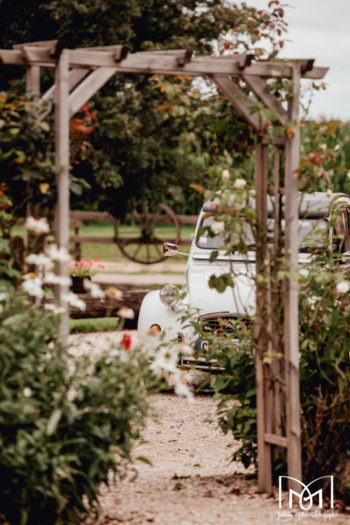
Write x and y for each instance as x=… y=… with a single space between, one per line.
x=78 y=217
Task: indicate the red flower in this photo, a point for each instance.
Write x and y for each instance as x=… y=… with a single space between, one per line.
x=126 y=341
x=316 y=158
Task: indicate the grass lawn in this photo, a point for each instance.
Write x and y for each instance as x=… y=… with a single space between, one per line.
x=111 y=252
x=100 y=324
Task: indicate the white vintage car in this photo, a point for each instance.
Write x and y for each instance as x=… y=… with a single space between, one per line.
x=162 y=310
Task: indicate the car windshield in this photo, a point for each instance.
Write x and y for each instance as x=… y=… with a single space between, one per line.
x=311 y=234
x=206 y=241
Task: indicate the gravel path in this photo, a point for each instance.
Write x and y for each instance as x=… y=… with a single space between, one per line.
x=141 y=275
x=192 y=480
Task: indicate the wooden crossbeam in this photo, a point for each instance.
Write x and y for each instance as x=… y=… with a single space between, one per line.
x=33 y=54
x=183 y=55
x=118 y=52
x=306 y=64
x=316 y=73
x=88 y=87
x=277 y=141
x=242 y=60
x=159 y=62
x=14 y=58
x=274 y=439
x=260 y=89
x=50 y=45
x=236 y=97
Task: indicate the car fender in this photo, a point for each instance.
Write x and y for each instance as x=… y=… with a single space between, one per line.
x=153 y=311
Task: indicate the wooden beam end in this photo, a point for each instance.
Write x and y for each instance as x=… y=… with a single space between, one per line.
x=246 y=60
x=121 y=53
x=184 y=58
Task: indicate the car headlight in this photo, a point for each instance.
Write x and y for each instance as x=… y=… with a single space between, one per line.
x=169 y=295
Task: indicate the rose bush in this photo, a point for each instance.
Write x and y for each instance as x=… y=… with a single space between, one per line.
x=65 y=425
x=324 y=318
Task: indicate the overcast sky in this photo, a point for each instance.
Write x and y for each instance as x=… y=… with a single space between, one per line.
x=320 y=29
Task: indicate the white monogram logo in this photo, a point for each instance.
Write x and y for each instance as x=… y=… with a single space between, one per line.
x=306 y=495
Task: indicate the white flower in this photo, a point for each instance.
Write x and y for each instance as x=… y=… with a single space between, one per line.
x=38 y=226
x=73 y=300
x=3 y=296
x=225 y=174
x=323 y=147
x=114 y=293
x=218 y=227
x=182 y=348
x=57 y=254
x=179 y=381
x=126 y=313
x=51 y=278
x=150 y=344
x=240 y=183
x=39 y=259
x=94 y=288
x=165 y=361
x=56 y=310
x=30 y=275
x=121 y=354
x=32 y=285
x=181 y=389
x=343 y=287
x=27 y=392
x=337 y=147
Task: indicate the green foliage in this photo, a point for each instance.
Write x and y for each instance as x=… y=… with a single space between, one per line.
x=64 y=424
x=324 y=318
x=6 y=272
x=148 y=142
x=221 y=282
x=235 y=390
x=26 y=167
x=325 y=156
x=323 y=321
x=325 y=373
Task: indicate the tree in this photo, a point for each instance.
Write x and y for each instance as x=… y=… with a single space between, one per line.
x=141 y=143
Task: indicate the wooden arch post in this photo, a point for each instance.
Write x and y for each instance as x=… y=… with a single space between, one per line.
x=272 y=401
x=62 y=178
x=80 y=73
x=291 y=324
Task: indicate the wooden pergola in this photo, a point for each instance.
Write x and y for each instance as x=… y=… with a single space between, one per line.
x=80 y=73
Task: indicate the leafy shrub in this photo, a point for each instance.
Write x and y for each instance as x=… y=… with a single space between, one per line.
x=325 y=374
x=64 y=423
x=324 y=381
x=235 y=390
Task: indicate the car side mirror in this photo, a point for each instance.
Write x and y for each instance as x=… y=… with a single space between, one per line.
x=170 y=249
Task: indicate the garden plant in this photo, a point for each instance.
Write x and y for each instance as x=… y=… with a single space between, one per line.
x=65 y=423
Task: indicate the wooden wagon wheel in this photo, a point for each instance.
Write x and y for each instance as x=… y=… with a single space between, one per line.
x=145 y=244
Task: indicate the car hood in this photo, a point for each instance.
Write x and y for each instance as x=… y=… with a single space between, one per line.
x=237 y=300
